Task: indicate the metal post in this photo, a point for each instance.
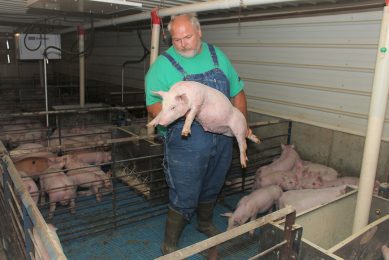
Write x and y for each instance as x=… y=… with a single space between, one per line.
x=81 y=38
x=45 y=61
x=27 y=224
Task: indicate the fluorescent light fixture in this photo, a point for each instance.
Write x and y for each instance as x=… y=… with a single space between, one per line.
x=119 y=2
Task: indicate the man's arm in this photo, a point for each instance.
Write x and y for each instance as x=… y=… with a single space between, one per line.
x=154 y=109
x=239 y=101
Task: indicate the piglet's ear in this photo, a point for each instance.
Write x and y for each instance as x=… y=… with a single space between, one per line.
x=158 y=93
x=182 y=98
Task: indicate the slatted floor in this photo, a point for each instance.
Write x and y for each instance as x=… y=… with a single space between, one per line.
x=142 y=240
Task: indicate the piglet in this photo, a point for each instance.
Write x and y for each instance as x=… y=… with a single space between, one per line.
x=315 y=169
x=282 y=178
x=305 y=199
x=258 y=201
x=59 y=187
x=288 y=161
x=31 y=187
x=210 y=107
x=92 y=157
x=341 y=181
x=84 y=175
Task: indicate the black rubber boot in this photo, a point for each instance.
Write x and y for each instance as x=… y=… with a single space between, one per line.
x=175 y=223
x=204 y=219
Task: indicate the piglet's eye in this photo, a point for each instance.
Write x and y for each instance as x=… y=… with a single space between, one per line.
x=173 y=107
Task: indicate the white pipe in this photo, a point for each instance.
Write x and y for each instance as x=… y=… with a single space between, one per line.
x=377 y=111
x=196 y=7
x=81 y=38
x=45 y=61
x=154 y=51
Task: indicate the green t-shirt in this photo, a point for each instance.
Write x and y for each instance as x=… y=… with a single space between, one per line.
x=162 y=74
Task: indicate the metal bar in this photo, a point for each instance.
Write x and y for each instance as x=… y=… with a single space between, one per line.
x=78 y=110
x=127 y=93
x=53 y=247
x=45 y=61
x=31 y=253
x=6 y=179
x=132 y=133
x=114 y=193
x=9 y=217
x=16 y=203
x=265 y=252
x=18 y=227
x=263 y=123
x=289 y=132
x=287 y=250
x=27 y=224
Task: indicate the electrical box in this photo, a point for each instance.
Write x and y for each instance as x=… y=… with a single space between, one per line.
x=31 y=46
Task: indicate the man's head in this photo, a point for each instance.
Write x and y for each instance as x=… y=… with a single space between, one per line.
x=186 y=34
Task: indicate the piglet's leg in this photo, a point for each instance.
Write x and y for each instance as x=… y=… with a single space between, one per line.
x=154 y=122
x=72 y=206
x=188 y=121
x=52 y=209
x=242 y=149
x=251 y=232
x=42 y=192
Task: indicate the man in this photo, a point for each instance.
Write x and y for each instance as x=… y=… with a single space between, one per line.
x=196 y=166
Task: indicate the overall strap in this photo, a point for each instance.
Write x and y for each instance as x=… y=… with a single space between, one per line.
x=174 y=63
x=213 y=54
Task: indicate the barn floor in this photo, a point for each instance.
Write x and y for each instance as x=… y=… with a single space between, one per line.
x=142 y=239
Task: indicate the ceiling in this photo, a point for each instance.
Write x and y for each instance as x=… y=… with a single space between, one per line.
x=56 y=15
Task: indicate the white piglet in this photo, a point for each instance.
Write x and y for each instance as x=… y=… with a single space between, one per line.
x=258 y=201
x=210 y=107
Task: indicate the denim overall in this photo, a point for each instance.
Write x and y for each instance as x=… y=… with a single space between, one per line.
x=196 y=166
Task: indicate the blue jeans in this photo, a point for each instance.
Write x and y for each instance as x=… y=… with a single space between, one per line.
x=195 y=166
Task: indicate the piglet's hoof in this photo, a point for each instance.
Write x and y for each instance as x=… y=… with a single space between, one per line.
x=185 y=133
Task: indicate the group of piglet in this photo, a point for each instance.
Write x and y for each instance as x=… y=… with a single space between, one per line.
x=25 y=130
x=60 y=176
x=76 y=135
x=21 y=130
x=289 y=180
x=291 y=173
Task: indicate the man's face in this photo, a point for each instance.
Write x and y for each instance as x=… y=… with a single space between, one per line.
x=186 y=38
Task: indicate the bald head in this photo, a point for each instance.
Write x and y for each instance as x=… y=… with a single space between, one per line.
x=190 y=17
x=186 y=34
